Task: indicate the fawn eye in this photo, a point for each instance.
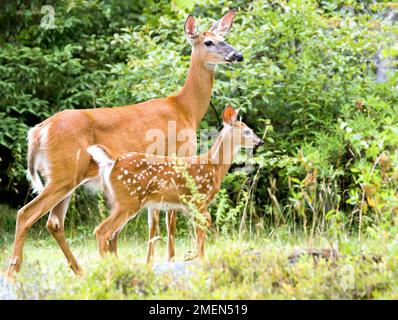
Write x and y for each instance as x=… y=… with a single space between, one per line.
x=247 y=132
x=208 y=43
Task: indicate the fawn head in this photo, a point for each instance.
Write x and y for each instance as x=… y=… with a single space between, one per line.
x=210 y=46
x=243 y=136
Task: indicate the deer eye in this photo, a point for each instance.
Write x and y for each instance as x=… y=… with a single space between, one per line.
x=208 y=43
x=247 y=132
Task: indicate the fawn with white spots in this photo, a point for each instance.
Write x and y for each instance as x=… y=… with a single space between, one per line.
x=137 y=180
x=57 y=146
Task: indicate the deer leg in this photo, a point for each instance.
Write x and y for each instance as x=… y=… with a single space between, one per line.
x=51 y=195
x=200 y=229
x=106 y=230
x=171 y=221
x=153 y=223
x=55 y=224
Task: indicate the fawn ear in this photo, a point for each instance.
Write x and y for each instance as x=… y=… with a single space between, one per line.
x=189 y=28
x=222 y=26
x=229 y=115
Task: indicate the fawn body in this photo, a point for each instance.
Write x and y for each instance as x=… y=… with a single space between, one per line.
x=57 y=146
x=137 y=180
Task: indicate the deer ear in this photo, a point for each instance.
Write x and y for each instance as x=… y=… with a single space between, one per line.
x=229 y=115
x=189 y=28
x=222 y=26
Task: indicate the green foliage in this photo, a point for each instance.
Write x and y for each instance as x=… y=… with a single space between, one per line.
x=307 y=84
x=256 y=269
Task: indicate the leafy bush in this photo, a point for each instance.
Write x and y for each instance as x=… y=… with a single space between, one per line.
x=307 y=84
x=250 y=270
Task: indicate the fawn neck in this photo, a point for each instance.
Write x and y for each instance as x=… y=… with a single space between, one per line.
x=223 y=151
x=196 y=92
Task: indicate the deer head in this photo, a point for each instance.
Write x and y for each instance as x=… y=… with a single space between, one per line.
x=210 y=46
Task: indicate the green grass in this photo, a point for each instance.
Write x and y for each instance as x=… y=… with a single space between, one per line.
x=250 y=269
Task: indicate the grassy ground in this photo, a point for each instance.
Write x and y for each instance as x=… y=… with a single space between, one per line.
x=273 y=267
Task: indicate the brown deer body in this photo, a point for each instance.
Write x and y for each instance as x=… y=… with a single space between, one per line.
x=57 y=146
x=137 y=180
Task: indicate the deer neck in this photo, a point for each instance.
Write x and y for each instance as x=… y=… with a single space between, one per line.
x=223 y=152
x=196 y=93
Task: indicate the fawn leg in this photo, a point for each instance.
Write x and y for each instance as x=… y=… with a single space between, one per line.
x=171 y=221
x=113 y=242
x=200 y=229
x=153 y=223
x=111 y=225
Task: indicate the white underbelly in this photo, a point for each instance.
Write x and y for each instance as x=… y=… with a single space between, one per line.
x=165 y=205
x=94 y=185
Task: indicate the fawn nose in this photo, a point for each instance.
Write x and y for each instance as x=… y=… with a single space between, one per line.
x=260 y=143
x=237 y=56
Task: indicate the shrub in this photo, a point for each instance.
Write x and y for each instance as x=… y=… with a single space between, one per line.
x=307 y=84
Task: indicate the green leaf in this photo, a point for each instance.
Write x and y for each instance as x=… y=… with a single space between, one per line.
x=185 y=4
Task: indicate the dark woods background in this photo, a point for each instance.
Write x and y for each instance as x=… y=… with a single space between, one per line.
x=318 y=82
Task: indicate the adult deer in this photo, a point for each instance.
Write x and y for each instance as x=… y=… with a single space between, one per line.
x=57 y=146
x=138 y=180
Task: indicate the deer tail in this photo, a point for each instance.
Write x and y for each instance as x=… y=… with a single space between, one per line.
x=105 y=162
x=100 y=155
x=33 y=148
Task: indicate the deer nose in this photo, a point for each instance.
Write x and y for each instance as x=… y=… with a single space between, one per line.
x=237 y=56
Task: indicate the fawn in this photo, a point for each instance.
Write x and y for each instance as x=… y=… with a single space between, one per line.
x=138 y=180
